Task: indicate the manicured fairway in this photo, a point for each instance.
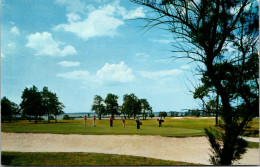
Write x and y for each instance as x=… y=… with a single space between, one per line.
x=171 y=127
x=80 y=159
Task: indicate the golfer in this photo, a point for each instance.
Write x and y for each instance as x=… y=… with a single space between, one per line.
x=111 y=121
x=85 y=120
x=137 y=122
x=160 y=121
x=94 y=121
x=123 y=119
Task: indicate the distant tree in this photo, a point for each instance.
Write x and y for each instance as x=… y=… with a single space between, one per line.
x=66 y=117
x=174 y=114
x=111 y=104
x=163 y=114
x=195 y=113
x=98 y=106
x=47 y=96
x=131 y=105
x=8 y=109
x=151 y=115
x=32 y=104
x=120 y=110
x=145 y=106
x=51 y=103
x=57 y=108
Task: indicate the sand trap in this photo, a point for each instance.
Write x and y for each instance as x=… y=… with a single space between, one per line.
x=190 y=149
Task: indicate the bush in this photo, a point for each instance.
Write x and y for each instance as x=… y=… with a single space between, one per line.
x=66 y=117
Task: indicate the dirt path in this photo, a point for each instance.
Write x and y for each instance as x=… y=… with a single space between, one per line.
x=190 y=149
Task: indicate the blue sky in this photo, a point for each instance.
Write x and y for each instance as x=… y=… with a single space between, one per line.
x=79 y=49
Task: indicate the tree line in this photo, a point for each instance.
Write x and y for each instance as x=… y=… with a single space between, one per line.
x=132 y=106
x=34 y=104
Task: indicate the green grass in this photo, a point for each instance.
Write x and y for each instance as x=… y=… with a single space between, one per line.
x=80 y=159
x=171 y=127
x=253 y=144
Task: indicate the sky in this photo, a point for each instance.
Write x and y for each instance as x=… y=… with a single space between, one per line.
x=83 y=48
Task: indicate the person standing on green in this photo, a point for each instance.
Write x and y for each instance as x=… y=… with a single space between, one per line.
x=94 y=121
x=123 y=119
x=111 y=121
x=137 y=122
x=85 y=120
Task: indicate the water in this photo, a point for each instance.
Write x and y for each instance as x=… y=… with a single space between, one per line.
x=77 y=115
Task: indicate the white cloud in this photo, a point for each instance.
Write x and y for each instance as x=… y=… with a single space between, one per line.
x=101 y=21
x=163 y=60
x=185 y=67
x=137 y=13
x=142 y=54
x=72 y=17
x=115 y=73
x=108 y=74
x=44 y=44
x=69 y=63
x=75 y=75
x=12 y=23
x=15 y=31
x=164 y=41
x=2 y=55
x=68 y=50
x=11 y=45
x=158 y=74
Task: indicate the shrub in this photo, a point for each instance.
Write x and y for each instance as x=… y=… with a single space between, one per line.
x=66 y=117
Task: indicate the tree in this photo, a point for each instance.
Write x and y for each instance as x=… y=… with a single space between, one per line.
x=98 y=106
x=32 y=104
x=51 y=103
x=174 y=113
x=145 y=106
x=57 y=107
x=210 y=100
x=8 y=109
x=111 y=104
x=206 y=31
x=46 y=99
x=151 y=115
x=131 y=105
x=163 y=114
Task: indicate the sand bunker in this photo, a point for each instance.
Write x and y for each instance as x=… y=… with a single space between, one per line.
x=190 y=149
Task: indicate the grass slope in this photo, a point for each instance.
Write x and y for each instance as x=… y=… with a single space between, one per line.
x=80 y=159
x=171 y=127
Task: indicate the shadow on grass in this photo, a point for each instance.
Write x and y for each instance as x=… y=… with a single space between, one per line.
x=7 y=159
x=41 y=122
